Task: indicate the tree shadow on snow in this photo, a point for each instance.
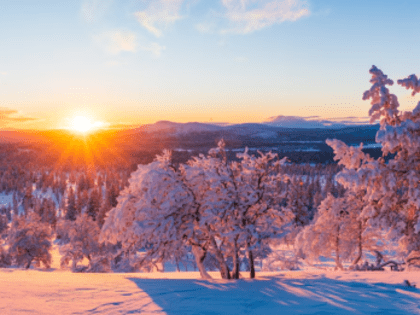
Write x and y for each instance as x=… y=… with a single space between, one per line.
x=279 y=295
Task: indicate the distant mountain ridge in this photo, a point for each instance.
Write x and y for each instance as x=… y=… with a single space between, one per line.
x=267 y=129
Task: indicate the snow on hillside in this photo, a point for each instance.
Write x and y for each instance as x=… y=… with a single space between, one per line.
x=294 y=122
x=314 y=122
x=180 y=128
x=6 y=199
x=293 y=292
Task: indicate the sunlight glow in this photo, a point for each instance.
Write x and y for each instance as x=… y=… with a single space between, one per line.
x=82 y=124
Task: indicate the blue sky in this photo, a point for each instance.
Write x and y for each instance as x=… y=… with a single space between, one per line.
x=133 y=62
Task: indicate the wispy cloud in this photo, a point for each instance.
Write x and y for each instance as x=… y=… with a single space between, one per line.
x=117 y=41
x=93 y=10
x=12 y=116
x=247 y=16
x=159 y=15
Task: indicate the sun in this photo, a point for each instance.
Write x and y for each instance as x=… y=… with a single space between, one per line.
x=83 y=125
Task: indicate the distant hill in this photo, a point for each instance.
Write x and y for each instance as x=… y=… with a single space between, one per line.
x=194 y=131
x=349 y=134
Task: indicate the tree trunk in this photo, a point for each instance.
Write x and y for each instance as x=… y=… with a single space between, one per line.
x=28 y=263
x=118 y=258
x=200 y=255
x=74 y=264
x=410 y=227
x=177 y=265
x=223 y=267
x=251 y=264
x=235 y=271
x=158 y=267
x=359 y=245
x=337 y=250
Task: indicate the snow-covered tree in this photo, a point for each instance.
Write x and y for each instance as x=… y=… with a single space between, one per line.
x=154 y=213
x=29 y=241
x=338 y=231
x=208 y=206
x=391 y=197
x=239 y=202
x=299 y=201
x=325 y=235
x=82 y=241
x=261 y=217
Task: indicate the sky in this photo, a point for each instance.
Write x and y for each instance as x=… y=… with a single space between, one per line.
x=131 y=62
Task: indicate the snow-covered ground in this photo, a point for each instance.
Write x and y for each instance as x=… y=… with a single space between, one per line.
x=309 y=291
x=293 y=292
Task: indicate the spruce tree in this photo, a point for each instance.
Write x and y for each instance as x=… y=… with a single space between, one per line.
x=71 y=212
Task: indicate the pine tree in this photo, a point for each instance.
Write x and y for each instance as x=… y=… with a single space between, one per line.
x=71 y=212
x=94 y=204
x=48 y=212
x=112 y=193
x=28 y=200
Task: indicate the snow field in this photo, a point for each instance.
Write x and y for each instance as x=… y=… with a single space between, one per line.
x=294 y=292
x=310 y=291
